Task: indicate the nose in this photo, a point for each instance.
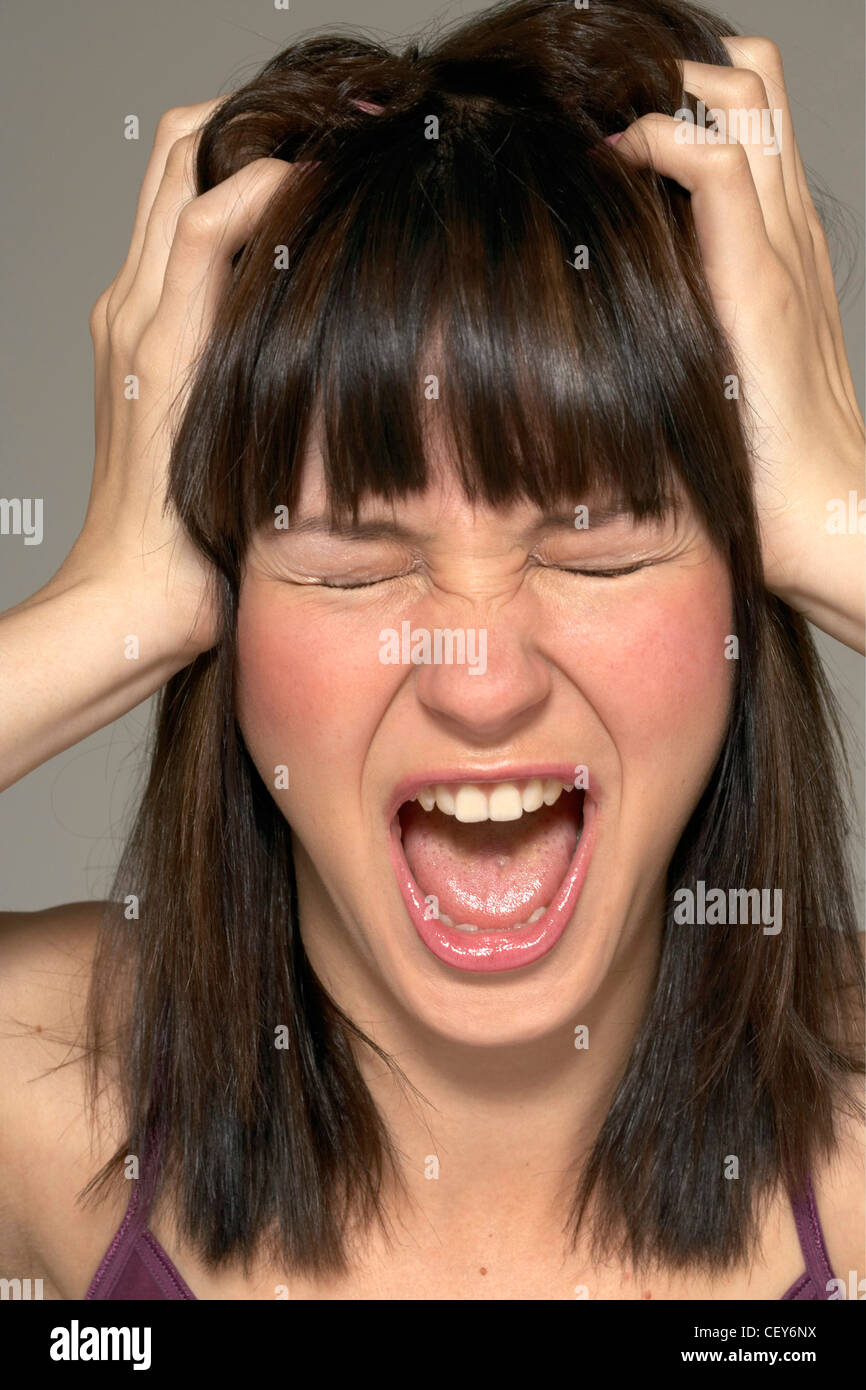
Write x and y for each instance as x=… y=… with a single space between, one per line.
x=491 y=705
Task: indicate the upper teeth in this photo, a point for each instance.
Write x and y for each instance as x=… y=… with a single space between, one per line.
x=474 y=801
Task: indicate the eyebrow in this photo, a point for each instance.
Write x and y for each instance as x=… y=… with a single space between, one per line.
x=387 y=529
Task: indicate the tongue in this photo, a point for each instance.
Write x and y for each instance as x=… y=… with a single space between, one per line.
x=495 y=873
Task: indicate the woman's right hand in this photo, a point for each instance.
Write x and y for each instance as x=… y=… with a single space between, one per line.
x=148 y=328
x=133 y=602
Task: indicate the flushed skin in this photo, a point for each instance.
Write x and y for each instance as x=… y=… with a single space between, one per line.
x=627 y=675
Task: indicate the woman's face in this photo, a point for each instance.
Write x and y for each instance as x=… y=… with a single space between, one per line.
x=617 y=685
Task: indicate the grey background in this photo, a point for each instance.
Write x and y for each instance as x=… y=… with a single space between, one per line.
x=69 y=75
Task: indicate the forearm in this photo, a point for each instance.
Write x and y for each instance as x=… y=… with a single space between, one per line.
x=72 y=659
x=837 y=605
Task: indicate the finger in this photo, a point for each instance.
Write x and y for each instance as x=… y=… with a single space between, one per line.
x=172 y=126
x=210 y=230
x=727 y=211
x=740 y=96
x=827 y=283
x=177 y=187
x=764 y=56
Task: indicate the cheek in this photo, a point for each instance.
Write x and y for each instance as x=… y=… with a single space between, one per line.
x=301 y=689
x=658 y=676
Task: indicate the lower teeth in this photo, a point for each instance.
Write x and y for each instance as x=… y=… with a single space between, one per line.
x=467 y=926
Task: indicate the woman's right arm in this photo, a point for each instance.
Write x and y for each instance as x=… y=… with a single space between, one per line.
x=63 y=669
x=134 y=601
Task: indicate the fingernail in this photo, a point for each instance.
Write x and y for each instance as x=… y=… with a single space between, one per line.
x=612 y=139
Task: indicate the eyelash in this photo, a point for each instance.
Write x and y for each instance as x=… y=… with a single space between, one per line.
x=563 y=569
x=367 y=583
x=601 y=574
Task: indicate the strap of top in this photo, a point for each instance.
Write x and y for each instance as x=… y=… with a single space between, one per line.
x=811 y=1238
x=118 y=1252
x=132 y=1228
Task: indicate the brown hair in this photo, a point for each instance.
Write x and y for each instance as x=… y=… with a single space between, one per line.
x=554 y=379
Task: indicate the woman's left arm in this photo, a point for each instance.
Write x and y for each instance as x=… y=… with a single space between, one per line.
x=768 y=268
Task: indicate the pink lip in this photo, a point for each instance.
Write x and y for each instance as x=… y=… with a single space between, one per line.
x=489 y=951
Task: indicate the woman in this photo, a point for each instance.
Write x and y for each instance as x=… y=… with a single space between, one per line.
x=466 y=424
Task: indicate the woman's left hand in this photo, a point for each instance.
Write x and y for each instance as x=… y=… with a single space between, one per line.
x=768 y=268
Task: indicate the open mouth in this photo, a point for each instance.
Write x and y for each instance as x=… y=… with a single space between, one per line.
x=490 y=870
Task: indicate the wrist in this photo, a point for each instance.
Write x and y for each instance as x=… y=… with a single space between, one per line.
x=814 y=549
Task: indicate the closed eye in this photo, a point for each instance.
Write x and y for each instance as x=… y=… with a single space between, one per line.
x=566 y=569
x=404 y=574
x=369 y=583
x=599 y=573
x=365 y=584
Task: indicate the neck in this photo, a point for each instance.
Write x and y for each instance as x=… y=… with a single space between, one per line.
x=499 y=1132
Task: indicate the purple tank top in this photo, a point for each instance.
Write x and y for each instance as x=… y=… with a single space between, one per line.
x=136 y=1266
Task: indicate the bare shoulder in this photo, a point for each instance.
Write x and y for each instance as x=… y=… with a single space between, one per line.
x=45 y=966
x=24 y=934
x=46 y=959
x=840 y=1190
x=46 y=1147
